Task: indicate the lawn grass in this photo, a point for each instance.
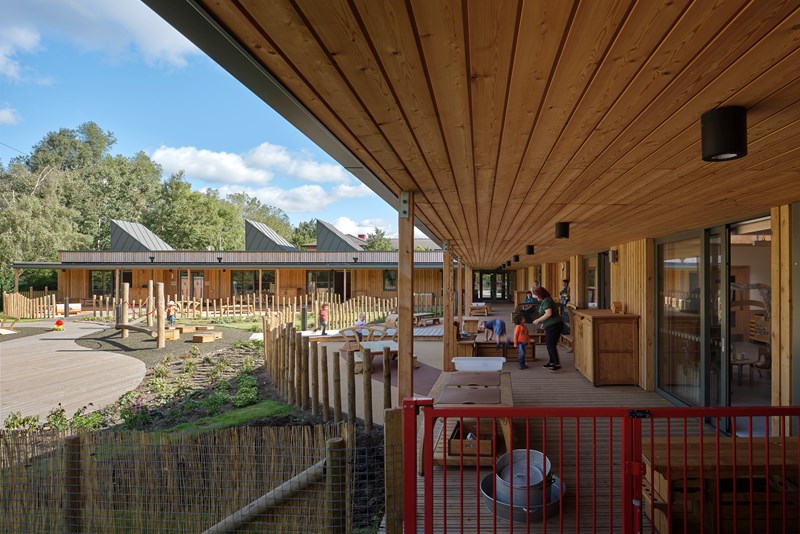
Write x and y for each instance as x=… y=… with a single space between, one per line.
x=235 y=417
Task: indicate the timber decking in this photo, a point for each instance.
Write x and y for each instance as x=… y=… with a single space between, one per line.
x=561 y=442
x=39 y=372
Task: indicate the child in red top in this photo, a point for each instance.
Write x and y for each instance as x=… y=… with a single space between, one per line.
x=323 y=318
x=521 y=339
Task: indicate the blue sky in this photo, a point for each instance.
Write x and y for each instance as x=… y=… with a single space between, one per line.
x=114 y=62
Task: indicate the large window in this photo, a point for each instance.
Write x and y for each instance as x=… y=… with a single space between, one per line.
x=679 y=333
x=102 y=282
x=243 y=282
x=316 y=280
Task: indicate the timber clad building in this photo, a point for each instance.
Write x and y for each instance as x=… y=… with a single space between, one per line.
x=268 y=266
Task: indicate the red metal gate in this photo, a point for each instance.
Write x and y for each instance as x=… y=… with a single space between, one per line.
x=611 y=469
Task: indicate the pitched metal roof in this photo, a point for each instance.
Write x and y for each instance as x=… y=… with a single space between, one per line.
x=329 y=239
x=133 y=237
x=258 y=237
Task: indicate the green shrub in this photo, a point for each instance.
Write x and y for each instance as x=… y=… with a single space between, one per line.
x=159 y=371
x=135 y=416
x=245 y=397
x=57 y=418
x=91 y=421
x=213 y=403
x=16 y=421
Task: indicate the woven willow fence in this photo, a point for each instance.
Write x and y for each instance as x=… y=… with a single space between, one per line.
x=295 y=479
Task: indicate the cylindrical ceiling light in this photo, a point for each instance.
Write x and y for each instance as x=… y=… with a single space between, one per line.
x=724 y=133
x=529 y=249
x=516 y=259
x=562 y=230
x=508 y=263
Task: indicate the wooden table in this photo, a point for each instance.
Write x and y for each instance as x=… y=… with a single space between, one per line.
x=376 y=348
x=484 y=310
x=444 y=388
x=420 y=318
x=673 y=476
x=748 y=361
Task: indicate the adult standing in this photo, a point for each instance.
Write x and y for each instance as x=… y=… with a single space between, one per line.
x=550 y=319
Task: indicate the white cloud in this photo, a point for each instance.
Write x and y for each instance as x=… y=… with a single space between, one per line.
x=13 y=42
x=301 y=167
x=257 y=167
x=118 y=29
x=208 y=166
x=306 y=198
x=366 y=226
x=9 y=116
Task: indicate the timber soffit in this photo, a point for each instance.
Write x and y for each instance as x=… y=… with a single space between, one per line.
x=507 y=116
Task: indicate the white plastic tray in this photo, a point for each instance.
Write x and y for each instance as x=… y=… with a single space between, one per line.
x=481 y=363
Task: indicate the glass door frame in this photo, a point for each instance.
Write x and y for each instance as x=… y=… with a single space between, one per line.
x=705 y=270
x=706 y=310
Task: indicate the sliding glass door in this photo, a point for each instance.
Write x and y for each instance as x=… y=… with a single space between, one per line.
x=692 y=300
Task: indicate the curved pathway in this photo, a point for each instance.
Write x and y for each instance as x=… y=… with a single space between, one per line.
x=39 y=372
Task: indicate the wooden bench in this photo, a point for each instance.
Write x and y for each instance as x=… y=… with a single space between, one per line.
x=206 y=337
x=12 y=320
x=172 y=335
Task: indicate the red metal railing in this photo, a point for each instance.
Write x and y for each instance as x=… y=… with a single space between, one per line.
x=620 y=470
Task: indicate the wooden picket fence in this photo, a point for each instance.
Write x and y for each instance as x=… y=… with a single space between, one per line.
x=250 y=305
x=301 y=370
x=24 y=307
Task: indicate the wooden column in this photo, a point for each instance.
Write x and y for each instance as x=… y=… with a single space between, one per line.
x=16 y=281
x=123 y=319
x=460 y=294
x=277 y=285
x=405 y=297
x=150 y=303
x=469 y=286
x=448 y=345
x=161 y=317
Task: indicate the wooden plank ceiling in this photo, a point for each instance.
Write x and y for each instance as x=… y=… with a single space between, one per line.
x=506 y=116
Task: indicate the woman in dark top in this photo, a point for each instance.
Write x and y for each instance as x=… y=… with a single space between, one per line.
x=550 y=319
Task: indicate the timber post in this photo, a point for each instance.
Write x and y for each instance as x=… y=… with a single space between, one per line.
x=161 y=317
x=336 y=485
x=73 y=486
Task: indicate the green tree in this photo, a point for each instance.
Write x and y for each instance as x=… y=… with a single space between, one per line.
x=377 y=240
x=68 y=149
x=252 y=208
x=190 y=220
x=305 y=232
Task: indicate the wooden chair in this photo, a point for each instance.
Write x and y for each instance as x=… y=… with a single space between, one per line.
x=764 y=362
x=567 y=340
x=350 y=336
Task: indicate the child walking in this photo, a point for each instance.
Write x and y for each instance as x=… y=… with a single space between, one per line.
x=171 y=311
x=521 y=339
x=323 y=318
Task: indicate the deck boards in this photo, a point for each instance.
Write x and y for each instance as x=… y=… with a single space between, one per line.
x=39 y=372
x=572 y=458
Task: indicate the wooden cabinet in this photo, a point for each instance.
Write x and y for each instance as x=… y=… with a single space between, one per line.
x=606 y=347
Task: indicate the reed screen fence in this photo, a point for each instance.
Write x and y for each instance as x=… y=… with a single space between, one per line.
x=144 y=482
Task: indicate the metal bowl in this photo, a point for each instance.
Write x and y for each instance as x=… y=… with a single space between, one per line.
x=523 y=514
x=523 y=478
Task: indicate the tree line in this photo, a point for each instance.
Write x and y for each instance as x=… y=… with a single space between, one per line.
x=63 y=195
